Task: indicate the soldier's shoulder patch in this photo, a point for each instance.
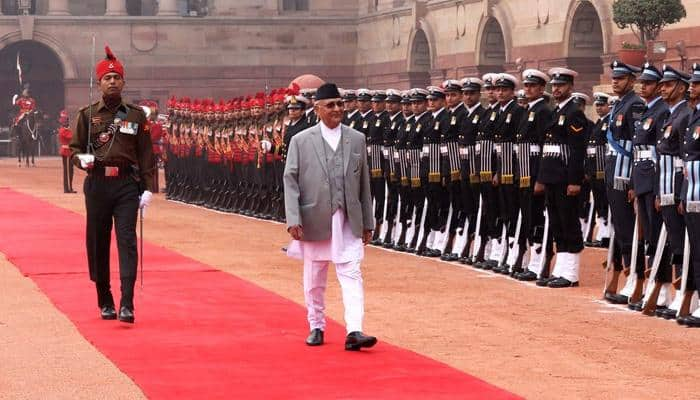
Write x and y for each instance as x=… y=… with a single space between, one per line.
x=575 y=129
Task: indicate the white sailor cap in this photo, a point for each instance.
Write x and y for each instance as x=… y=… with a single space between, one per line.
x=393 y=95
x=581 y=97
x=364 y=94
x=601 y=98
x=435 y=92
x=535 y=76
x=452 y=85
x=505 y=80
x=471 y=84
x=562 y=75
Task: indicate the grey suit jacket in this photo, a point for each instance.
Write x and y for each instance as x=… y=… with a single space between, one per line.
x=307 y=194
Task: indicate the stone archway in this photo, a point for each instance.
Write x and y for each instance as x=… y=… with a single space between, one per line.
x=492 y=48
x=585 y=45
x=419 y=60
x=41 y=68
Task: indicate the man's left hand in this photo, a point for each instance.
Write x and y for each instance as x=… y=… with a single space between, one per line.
x=366 y=236
x=573 y=190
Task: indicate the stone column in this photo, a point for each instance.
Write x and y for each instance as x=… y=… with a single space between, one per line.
x=168 y=8
x=58 y=7
x=115 y=8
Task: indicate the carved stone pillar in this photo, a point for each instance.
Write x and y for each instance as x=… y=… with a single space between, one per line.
x=58 y=7
x=168 y=8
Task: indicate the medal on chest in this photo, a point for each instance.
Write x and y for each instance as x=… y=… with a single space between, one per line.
x=408 y=127
x=618 y=121
x=531 y=116
x=437 y=125
x=352 y=124
x=508 y=117
x=493 y=116
x=562 y=118
x=453 y=121
x=378 y=123
x=475 y=120
x=365 y=125
x=418 y=127
x=393 y=126
x=604 y=127
x=696 y=133
x=647 y=124
x=130 y=128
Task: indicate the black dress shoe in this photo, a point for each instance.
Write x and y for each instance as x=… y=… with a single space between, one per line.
x=668 y=313
x=356 y=340
x=126 y=315
x=561 y=283
x=544 y=282
x=691 y=322
x=527 y=276
x=108 y=312
x=387 y=245
x=433 y=253
x=615 y=298
x=315 y=337
x=489 y=264
x=638 y=306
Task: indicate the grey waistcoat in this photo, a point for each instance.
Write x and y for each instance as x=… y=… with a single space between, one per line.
x=336 y=175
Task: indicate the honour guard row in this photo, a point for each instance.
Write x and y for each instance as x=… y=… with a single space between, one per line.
x=490 y=171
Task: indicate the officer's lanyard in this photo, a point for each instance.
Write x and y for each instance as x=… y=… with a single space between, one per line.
x=609 y=136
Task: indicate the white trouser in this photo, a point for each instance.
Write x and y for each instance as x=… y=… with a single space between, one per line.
x=350 y=278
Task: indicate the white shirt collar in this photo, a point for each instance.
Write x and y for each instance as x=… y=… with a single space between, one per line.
x=565 y=102
x=417 y=117
x=308 y=110
x=331 y=136
x=392 y=117
x=494 y=105
x=350 y=114
x=471 y=109
x=436 y=113
x=532 y=103
x=364 y=114
x=507 y=105
x=456 y=107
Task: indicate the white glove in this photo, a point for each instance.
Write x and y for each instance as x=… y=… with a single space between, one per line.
x=266 y=145
x=146 y=197
x=87 y=161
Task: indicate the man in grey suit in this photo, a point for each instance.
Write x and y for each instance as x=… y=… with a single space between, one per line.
x=329 y=213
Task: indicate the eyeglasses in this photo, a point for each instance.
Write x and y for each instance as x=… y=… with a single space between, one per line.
x=333 y=104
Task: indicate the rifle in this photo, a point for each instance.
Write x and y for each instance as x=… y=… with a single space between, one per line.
x=635 y=284
x=684 y=309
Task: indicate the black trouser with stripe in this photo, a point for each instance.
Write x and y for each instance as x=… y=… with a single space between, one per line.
x=111 y=201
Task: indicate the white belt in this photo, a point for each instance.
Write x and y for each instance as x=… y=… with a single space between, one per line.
x=477 y=148
x=443 y=149
x=463 y=151
x=552 y=148
x=692 y=206
x=535 y=148
x=498 y=148
x=369 y=149
x=591 y=151
x=385 y=152
x=426 y=150
x=396 y=155
x=678 y=162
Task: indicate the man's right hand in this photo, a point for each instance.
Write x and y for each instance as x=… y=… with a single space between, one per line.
x=296 y=231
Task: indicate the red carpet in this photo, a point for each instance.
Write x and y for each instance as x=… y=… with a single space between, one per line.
x=202 y=333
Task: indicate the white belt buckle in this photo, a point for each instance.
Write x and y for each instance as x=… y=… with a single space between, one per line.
x=426 y=149
x=678 y=163
x=667 y=199
x=516 y=148
x=692 y=206
x=477 y=147
x=463 y=151
x=369 y=149
x=644 y=154
x=396 y=155
x=498 y=148
x=535 y=148
x=385 y=152
x=591 y=151
x=111 y=171
x=552 y=148
x=443 y=149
